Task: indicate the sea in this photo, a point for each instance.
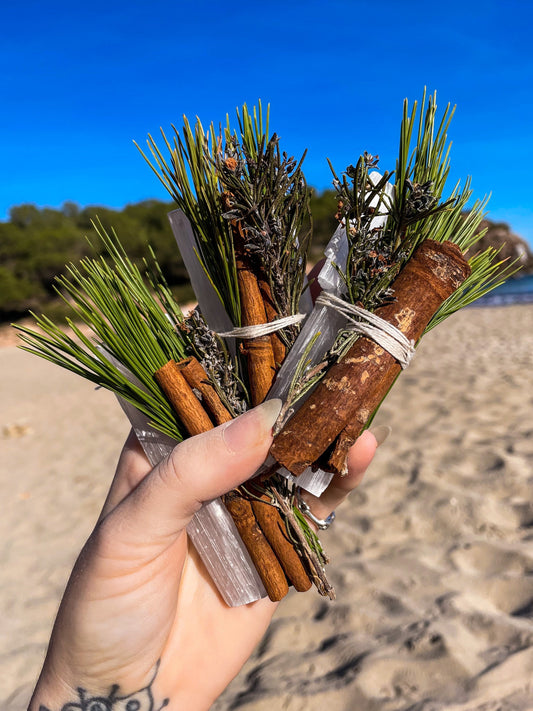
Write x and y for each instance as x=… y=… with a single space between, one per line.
x=513 y=291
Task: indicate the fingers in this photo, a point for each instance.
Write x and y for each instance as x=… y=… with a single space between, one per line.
x=359 y=459
x=198 y=470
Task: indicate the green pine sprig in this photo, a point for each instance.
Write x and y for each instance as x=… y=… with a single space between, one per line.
x=269 y=199
x=191 y=179
x=128 y=323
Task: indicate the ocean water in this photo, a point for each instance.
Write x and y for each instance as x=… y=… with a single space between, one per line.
x=514 y=291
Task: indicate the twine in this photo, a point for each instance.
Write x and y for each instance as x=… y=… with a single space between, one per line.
x=262 y=329
x=382 y=332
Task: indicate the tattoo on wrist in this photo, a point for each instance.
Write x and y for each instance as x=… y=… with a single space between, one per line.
x=142 y=700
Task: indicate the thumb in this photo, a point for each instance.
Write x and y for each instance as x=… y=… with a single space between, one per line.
x=198 y=470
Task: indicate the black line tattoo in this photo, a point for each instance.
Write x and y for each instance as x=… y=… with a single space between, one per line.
x=142 y=700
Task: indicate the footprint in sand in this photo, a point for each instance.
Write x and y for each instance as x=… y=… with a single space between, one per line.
x=485 y=558
x=424 y=642
x=512 y=595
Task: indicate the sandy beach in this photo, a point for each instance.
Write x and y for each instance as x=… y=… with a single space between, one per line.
x=432 y=557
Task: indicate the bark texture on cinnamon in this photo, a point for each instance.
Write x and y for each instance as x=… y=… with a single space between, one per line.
x=182 y=398
x=278 y=347
x=258 y=351
x=262 y=555
x=338 y=409
x=195 y=375
x=275 y=531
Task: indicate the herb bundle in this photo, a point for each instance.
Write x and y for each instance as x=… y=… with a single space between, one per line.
x=405 y=263
x=248 y=205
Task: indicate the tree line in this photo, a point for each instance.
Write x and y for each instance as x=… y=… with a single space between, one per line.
x=36 y=244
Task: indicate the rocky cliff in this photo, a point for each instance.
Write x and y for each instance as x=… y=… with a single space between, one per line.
x=512 y=246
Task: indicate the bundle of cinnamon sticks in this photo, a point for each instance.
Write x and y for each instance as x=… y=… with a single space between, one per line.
x=266 y=534
x=328 y=423
x=402 y=261
x=245 y=203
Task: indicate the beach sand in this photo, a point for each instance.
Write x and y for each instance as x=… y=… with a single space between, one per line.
x=432 y=557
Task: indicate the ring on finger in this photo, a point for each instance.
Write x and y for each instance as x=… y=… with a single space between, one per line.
x=321 y=523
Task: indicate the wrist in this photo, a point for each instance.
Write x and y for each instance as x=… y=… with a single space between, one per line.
x=51 y=692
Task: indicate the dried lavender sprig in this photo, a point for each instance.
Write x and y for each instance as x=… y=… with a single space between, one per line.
x=221 y=368
x=269 y=198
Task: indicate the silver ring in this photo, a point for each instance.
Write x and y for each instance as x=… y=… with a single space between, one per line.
x=320 y=523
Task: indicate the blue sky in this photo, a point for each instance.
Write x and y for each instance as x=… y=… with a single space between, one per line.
x=80 y=81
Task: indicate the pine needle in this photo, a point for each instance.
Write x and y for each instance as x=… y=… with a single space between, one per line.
x=127 y=322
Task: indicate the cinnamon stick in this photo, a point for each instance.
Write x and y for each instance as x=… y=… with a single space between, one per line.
x=258 y=351
x=316 y=568
x=197 y=378
x=182 y=398
x=278 y=347
x=341 y=405
x=262 y=555
x=275 y=531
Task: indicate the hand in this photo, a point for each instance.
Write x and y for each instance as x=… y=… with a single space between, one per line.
x=140 y=610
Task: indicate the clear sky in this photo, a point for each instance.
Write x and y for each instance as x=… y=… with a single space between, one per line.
x=80 y=81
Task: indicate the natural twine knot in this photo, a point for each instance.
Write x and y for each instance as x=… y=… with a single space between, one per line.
x=262 y=329
x=374 y=327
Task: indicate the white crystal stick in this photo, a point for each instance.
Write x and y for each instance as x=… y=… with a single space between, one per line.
x=210 y=305
x=324 y=323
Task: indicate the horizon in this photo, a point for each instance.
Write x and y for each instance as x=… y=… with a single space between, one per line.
x=80 y=85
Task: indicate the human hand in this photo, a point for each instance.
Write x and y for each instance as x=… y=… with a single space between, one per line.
x=141 y=622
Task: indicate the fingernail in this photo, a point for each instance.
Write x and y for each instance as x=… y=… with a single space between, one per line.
x=381 y=432
x=252 y=427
